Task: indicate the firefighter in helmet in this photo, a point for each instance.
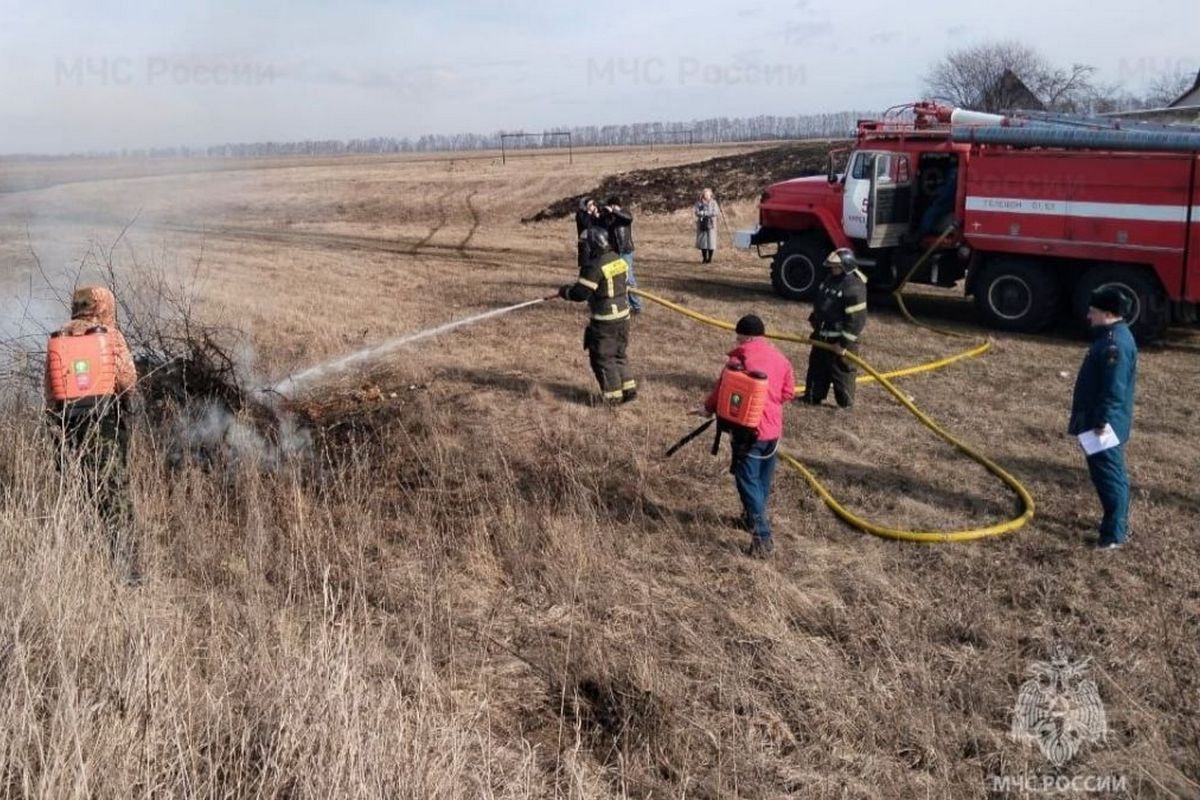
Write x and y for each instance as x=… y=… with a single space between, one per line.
x=90 y=388
x=602 y=283
x=838 y=318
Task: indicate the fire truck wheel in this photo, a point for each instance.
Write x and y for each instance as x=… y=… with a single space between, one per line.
x=796 y=270
x=1016 y=295
x=1151 y=310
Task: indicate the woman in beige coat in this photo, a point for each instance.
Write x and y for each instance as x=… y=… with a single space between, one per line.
x=706 y=211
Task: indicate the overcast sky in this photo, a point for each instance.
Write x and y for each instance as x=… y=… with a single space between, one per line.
x=101 y=75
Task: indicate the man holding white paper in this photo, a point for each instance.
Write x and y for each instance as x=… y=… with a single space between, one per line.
x=1102 y=409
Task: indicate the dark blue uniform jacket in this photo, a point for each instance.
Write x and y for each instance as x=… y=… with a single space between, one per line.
x=1104 y=388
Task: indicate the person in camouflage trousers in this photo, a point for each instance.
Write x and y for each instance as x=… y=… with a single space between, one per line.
x=93 y=436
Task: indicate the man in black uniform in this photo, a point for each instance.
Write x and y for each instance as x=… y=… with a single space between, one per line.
x=601 y=283
x=619 y=224
x=838 y=318
x=585 y=216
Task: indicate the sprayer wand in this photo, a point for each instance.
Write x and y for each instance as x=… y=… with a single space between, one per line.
x=678 y=445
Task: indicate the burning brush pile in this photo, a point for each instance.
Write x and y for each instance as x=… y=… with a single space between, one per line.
x=200 y=392
x=204 y=403
x=195 y=394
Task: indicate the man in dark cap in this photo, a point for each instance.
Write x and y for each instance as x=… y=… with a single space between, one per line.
x=1102 y=409
x=754 y=460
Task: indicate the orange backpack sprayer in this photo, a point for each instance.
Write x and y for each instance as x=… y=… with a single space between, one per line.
x=741 y=398
x=80 y=368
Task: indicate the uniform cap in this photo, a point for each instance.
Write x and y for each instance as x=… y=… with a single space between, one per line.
x=1110 y=299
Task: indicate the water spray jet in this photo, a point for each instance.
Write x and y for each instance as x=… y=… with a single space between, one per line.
x=318 y=372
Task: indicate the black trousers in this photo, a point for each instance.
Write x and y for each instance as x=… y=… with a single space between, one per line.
x=606 y=343
x=825 y=369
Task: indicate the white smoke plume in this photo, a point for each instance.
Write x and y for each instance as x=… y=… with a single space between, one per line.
x=209 y=433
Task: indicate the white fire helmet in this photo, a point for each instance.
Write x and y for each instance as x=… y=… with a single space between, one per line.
x=842 y=257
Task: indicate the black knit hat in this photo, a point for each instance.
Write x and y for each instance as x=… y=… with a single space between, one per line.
x=750 y=325
x=1110 y=299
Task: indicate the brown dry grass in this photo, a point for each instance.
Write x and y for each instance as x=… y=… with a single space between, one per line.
x=486 y=588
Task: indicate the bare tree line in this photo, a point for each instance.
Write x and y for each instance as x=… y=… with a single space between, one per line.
x=712 y=130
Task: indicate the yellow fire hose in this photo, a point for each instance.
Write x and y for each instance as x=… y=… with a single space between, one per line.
x=884 y=380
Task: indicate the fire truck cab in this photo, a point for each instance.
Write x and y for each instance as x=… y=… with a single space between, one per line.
x=1035 y=229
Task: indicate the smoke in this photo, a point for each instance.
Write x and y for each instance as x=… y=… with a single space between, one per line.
x=208 y=433
x=29 y=310
x=194 y=379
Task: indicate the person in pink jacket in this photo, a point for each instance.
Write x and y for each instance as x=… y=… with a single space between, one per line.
x=755 y=453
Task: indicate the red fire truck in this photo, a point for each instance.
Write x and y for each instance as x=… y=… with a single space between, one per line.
x=1046 y=208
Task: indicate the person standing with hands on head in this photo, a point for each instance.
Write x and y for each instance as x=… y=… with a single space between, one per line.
x=585 y=216
x=706 y=212
x=755 y=451
x=619 y=223
x=1103 y=405
x=838 y=317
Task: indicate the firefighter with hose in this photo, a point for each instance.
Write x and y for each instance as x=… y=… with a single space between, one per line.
x=838 y=317
x=748 y=401
x=90 y=387
x=602 y=283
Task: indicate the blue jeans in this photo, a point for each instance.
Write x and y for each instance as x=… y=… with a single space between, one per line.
x=753 y=475
x=1107 y=469
x=635 y=302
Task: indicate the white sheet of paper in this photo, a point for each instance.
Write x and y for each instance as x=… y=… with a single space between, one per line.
x=1092 y=444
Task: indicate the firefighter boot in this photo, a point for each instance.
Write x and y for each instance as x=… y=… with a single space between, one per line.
x=629 y=391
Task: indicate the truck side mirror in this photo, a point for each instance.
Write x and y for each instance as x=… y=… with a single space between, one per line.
x=831 y=172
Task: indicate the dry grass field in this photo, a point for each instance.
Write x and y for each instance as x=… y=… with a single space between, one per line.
x=475 y=584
